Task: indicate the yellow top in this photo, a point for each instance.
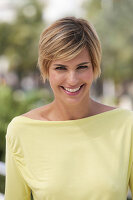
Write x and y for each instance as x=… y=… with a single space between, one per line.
x=83 y=159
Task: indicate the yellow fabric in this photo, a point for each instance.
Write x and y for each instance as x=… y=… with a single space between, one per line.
x=84 y=159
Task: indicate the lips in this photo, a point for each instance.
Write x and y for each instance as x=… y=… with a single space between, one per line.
x=71 y=88
x=73 y=93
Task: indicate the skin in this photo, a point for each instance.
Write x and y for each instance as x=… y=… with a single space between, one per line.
x=64 y=106
x=72 y=76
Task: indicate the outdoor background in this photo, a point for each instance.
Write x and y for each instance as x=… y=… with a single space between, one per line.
x=21 y=23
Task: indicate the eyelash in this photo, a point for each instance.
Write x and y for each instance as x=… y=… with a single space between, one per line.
x=61 y=68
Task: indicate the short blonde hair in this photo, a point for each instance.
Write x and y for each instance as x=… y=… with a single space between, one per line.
x=65 y=39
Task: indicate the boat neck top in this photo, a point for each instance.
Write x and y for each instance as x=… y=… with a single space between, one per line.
x=68 y=122
x=89 y=158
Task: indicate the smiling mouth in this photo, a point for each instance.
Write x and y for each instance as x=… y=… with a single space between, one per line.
x=67 y=90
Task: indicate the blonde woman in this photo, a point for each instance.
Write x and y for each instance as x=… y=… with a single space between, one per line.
x=74 y=148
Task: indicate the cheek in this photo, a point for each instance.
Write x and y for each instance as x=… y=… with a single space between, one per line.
x=88 y=77
x=55 y=79
x=52 y=79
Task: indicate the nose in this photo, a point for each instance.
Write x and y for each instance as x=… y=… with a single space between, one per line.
x=72 y=78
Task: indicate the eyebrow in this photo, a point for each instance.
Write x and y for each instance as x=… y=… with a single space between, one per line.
x=67 y=66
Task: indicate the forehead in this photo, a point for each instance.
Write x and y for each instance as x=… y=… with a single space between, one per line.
x=83 y=56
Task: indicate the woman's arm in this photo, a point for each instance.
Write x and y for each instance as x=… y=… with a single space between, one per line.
x=16 y=187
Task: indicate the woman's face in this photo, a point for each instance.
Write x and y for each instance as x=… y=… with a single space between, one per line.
x=76 y=73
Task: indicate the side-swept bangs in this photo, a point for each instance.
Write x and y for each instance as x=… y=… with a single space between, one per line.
x=65 y=39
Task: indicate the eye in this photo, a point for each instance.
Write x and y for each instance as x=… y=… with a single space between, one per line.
x=60 y=68
x=82 y=67
x=63 y=68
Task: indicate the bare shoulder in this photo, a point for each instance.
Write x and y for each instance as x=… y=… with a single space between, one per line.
x=102 y=107
x=108 y=108
x=37 y=113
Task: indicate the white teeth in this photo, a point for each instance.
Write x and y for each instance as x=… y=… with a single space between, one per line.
x=72 y=90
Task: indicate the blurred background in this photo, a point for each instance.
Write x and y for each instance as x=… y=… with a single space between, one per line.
x=21 y=23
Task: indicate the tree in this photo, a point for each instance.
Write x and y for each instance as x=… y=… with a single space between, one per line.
x=114 y=25
x=20 y=39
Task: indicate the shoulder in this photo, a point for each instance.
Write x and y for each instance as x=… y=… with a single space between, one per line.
x=122 y=113
x=19 y=129
x=32 y=113
x=103 y=108
x=99 y=107
x=39 y=113
x=18 y=125
x=14 y=130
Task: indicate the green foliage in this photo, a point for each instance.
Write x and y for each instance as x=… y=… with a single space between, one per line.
x=2 y=184
x=5 y=30
x=19 y=40
x=15 y=103
x=113 y=21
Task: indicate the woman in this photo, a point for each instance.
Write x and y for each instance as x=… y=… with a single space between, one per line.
x=73 y=148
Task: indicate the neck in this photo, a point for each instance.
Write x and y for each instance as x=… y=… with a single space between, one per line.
x=70 y=112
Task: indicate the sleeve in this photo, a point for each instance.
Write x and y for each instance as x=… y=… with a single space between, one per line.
x=15 y=186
